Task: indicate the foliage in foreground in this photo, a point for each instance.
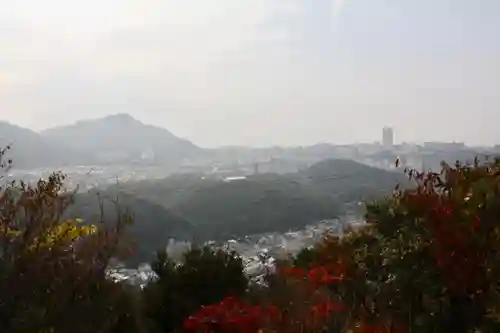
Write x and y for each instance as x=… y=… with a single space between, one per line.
x=51 y=266
x=427 y=261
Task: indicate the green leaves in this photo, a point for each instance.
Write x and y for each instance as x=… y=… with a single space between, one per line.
x=204 y=276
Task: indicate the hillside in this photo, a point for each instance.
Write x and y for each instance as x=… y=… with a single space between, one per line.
x=30 y=150
x=153 y=226
x=99 y=141
x=191 y=207
x=347 y=180
x=201 y=210
x=120 y=137
x=224 y=210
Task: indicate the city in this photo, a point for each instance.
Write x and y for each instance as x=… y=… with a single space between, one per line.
x=231 y=163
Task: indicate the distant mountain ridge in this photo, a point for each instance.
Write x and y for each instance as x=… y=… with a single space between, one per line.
x=115 y=138
x=122 y=134
x=122 y=139
x=31 y=150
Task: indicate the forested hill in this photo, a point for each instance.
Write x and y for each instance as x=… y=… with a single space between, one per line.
x=111 y=135
x=346 y=180
x=194 y=207
x=31 y=150
x=101 y=141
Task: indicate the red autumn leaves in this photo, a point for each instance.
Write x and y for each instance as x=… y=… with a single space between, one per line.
x=317 y=275
x=233 y=315
x=452 y=229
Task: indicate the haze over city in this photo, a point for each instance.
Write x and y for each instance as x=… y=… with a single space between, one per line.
x=257 y=72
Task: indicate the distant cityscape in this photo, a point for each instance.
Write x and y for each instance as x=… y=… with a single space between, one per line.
x=233 y=163
x=116 y=162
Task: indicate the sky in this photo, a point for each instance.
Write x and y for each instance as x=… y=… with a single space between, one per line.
x=257 y=72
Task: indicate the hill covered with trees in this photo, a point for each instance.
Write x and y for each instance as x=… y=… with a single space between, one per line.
x=109 y=137
x=32 y=150
x=198 y=208
x=348 y=181
x=97 y=141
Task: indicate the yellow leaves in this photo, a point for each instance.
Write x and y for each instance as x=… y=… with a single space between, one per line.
x=64 y=232
x=9 y=232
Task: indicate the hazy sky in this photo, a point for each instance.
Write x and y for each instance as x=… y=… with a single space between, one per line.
x=257 y=72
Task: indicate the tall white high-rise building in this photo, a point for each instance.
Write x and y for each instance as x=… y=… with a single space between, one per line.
x=388 y=136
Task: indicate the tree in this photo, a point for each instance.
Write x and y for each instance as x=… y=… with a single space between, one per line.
x=205 y=276
x=429 y=257
x=53 y=270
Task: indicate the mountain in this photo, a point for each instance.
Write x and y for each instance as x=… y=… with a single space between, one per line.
x=30 y=150
x=347 y=180
x=121 y=138
x=115 y=138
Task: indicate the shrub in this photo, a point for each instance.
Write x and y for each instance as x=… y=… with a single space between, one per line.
x=205 y=276
x=53 y=271
x=428 y=258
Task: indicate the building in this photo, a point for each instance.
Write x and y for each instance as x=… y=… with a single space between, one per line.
x=388 y=136
x=446 y=146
